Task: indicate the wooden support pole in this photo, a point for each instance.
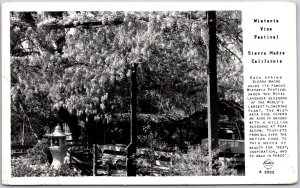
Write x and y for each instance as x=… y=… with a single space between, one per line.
x=71 y=157
x=94 y=159
x=131 y=149
x=23 y=134
x=212 y=93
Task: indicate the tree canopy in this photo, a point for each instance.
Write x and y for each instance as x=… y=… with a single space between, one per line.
x=81 y=62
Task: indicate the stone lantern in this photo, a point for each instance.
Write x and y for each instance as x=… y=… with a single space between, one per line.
x=58 y=147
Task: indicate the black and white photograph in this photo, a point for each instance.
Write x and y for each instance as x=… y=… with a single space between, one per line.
x=126 y=93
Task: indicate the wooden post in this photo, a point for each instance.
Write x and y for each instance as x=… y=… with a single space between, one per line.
x=23 y=134
x=131 y=149
x=151 y=157
x=71 y=156
x=94 y=159
x=104 y=129
x=180 y=137
x=212 y=93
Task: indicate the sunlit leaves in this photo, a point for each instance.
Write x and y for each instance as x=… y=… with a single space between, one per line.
x=86 y=69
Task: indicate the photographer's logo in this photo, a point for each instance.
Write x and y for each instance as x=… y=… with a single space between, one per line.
x=268 y=164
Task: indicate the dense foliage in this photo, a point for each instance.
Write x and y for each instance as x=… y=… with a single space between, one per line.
x=22 y=167
x=77 y=65
x=36 y=163
x=196 y=163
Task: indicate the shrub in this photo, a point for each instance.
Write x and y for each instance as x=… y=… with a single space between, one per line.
x=23 y=167
x=40 y=153
x=196 y=163
x=36 y=163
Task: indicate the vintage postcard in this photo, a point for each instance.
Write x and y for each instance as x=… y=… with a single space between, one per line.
x=149 y=93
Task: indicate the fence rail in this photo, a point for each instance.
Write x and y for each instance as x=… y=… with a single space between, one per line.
x=99 y=160
x=110 y=160
x=19 y=150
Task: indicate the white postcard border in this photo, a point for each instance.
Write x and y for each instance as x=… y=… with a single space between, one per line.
x=246 y=7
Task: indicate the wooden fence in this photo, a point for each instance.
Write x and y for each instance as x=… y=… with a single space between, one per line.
x=110 y=160
x=19 y=150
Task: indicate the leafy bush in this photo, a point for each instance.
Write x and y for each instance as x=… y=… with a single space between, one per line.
x=36 y=163
x=40 y=153
x=23 y=167
x=196 y=163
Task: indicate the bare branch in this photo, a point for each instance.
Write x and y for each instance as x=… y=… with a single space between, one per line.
x=230 y=51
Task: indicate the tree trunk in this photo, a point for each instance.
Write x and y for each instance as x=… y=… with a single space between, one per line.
x=131 y=149
x=212 y=93
x=28 y=120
